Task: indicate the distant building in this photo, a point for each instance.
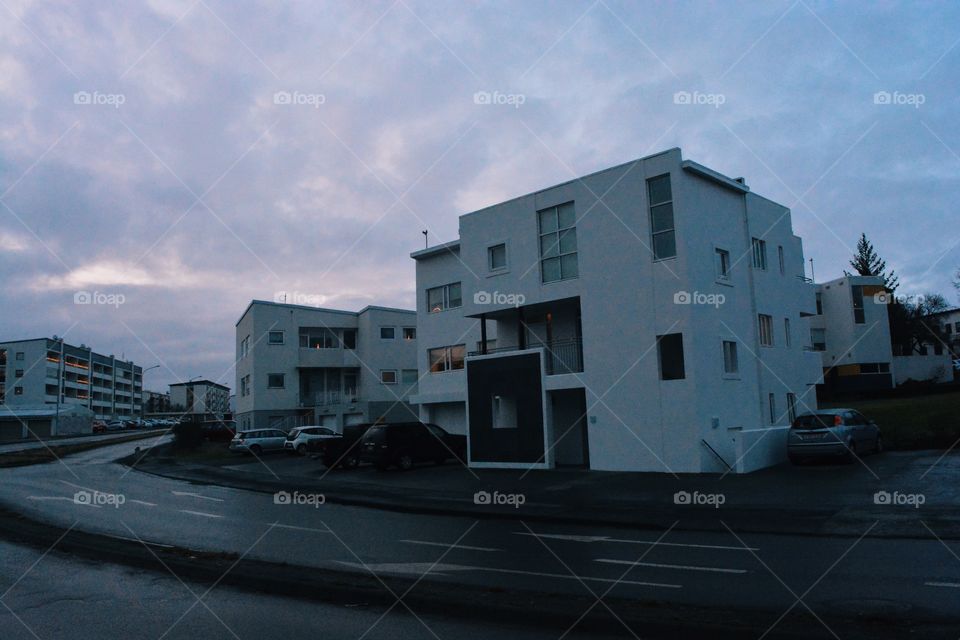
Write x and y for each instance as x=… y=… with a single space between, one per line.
x=300 y=365
x=49 y=371
x=156 y=402
x=200 y=396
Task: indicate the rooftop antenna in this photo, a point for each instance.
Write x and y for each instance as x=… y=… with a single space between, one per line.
x=812 y=277
x=426 y=238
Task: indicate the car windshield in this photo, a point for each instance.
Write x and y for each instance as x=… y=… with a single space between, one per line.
x=814 y=421
x=375 y=434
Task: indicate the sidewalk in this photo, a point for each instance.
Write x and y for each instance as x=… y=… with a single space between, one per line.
x=817 y=499
x=56 y=441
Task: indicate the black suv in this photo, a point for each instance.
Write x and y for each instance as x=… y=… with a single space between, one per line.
x=405 y=443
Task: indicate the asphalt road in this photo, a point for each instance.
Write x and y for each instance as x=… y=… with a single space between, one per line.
x=27 y=445
x=914 y=579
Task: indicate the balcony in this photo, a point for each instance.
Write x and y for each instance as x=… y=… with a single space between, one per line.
x=559 y=356
x=327 y=398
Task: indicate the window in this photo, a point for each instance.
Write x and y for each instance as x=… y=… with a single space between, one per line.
x=819 y=303
x=275 y=337
x=388 y=333
x=723 y=263
x=497 y=257
x=766 y=330
x=670 y=352
x=18 y=391
x=948 y=328
x=409 y=333
x=446 y=358
x=786 y=332
x=773 y=408
x=388 y=376
x=780 y=258
x=409 y=376
x=245 y=347
x=759 y=254
x=245 y=385
x=19 y=374
x=503 y=412
x=730 y=363
x=858 y=316
x=558 y=243
x=19 y=355
x=318 y=338
x=662 y=235
x=442 y=298
x=349 y=338
x=818 y=339
x=275 y=380
x=791 y=407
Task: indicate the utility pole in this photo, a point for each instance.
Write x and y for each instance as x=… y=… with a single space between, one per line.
x=426 y=238
x=812 y=276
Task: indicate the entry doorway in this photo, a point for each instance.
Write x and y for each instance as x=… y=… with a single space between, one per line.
x=570 y=438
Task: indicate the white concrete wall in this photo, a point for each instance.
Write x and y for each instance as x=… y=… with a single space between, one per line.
x=922 y=368
x=848 y=342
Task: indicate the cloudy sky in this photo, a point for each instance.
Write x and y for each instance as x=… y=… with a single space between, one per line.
x=184 y=157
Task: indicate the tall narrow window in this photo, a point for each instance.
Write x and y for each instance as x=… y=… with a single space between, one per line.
x=857 y=292
x=730 y=363
x=670 y=352
x=780 y=258
x=662 y=233
x=791 y=407
x=766 y=330
x=558 y=243
x=723 y=264
x=819 y=303
x=759 y=254
x=772 y=399
x=786 y=332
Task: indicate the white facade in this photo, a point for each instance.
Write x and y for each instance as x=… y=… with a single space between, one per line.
x=200 y=397
x=32 y=371
x=300 y=365
x=613 y=397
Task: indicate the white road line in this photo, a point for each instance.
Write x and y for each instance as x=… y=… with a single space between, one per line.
x=952 y=585
x=573 y=538
x=152 y=544
x=450 y=546
x=679 y=567
x=195 y=495
x=44 y=498
x=146 y=504
x=296 y=528
x=416 y=569
x=200 y=513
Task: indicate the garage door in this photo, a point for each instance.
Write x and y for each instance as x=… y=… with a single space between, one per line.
x=10 y=430
x=329 y=421
x=353 y=418
x=451 y=416
x=39 y=428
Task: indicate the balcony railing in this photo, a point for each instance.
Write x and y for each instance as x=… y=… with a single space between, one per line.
x=326 y=398
x=560 y=356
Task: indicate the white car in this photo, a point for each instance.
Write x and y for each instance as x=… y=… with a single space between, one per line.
x=303 y=439
x=258 y=441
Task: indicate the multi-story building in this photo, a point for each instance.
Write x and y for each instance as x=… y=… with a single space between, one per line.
x=200 y=397
x=156 y=403
x=48 y=371
x=647 y=317
x=851 y=330
x=949 y=321
x=300 y=365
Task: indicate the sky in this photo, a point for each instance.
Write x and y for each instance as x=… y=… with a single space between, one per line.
x=163 y=163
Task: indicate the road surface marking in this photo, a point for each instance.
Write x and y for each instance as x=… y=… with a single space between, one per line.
x=152 y=544
x=146 y=504
x=200 y=513
x=680 y=567
x=954 y=585
x=42 y=498
x=422 y=568
x=296 y=528
x=572 y=538
x=450 y=546
x=195 y=495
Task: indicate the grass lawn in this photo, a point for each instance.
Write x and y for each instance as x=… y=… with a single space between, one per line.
x=920 y=422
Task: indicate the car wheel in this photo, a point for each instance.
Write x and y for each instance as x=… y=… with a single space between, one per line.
x=256 y=450
x=302 y=449
x=351 y=462
x=405 y=460
x=878 y=448
x=851 y=451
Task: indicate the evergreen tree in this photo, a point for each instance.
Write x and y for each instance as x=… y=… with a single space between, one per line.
x=868 y=263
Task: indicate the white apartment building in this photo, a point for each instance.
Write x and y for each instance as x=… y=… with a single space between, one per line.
x=200 y=397
x=851 y=330
x=34 y=372
x=300 y=365
x=648 y=317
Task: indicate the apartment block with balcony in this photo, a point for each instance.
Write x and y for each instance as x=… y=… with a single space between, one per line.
x=200 y=397
x=34 y=372
x=300 y=365
x=648 y=317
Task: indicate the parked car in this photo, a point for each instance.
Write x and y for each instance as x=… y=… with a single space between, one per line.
x=219 y=430
x=309 y=438
x=258 y=441
x=832 y=432
x=405 y=443
x=116 y=425
x=99 y=426
x=344 y=452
